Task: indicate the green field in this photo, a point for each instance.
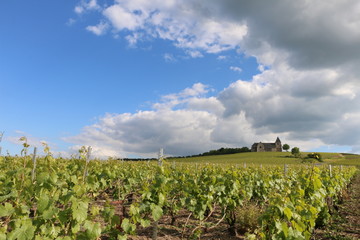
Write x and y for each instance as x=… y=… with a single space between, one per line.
x=271 y=158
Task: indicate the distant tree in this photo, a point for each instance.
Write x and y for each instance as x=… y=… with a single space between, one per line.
x=295 y=151
x=286 y=147
x=222 y=151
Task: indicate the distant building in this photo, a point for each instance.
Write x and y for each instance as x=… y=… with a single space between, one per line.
x=267 y=147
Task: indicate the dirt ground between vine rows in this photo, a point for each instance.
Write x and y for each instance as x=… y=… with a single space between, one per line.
x=345 y=224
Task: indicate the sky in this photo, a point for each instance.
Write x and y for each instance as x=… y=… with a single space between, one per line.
x=128 y=77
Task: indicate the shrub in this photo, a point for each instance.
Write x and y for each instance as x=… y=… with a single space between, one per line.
x=296 y=152
x=316 y=156
x=247 y=217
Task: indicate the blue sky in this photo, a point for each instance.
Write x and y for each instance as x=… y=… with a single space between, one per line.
x=130 y=77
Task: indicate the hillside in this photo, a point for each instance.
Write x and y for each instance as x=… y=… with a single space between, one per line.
x=257 y=158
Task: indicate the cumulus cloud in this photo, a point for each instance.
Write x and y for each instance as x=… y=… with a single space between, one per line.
x=307 y=90
x=182 y=123
x=190 y=122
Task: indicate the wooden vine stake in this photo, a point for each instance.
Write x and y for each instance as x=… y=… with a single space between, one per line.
x=155 y=230
x=88 y=153
x=330 y=170
x=161 y=157
x=33 y=173
x=285 y=169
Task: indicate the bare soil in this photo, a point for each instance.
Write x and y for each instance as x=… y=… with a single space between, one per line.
x=345 y=223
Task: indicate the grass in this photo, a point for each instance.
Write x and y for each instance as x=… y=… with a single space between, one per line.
x=271 y=158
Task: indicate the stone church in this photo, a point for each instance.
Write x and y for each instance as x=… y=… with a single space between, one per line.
x=267 y=147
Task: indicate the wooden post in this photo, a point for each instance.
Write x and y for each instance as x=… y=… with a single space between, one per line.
x=88 y=154
x=34 y=166
x=161 y=156
x=330 y=170
x=285 y=169
x=244 y=164
x=155 y=230
x=86 y=163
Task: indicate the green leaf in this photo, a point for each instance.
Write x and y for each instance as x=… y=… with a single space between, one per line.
x=157 y=212
x=42 y=203
x=317 y=184
x=79 y=210
x=145 y=222
x=93 y=230
x=285 y=229
x=6 y=210
x=127 y=226
x=24 y=230
x=49 y=213
x=3 y=231
x=288 y=213
x=95 y=210
x=161 y=198
x=134 y=210
x=75 y=228
x=122 y=237
x=64 y=238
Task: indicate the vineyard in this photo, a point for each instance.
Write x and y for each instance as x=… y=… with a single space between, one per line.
x=79 y=199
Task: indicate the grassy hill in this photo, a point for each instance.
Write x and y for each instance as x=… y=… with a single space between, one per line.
x=272 y=158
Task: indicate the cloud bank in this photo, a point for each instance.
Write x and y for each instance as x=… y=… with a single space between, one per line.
x=307 y=91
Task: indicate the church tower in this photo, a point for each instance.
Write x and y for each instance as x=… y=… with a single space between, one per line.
x=278 y=145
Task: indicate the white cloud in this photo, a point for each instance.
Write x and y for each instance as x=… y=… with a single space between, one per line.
x=145 y=132
x=221 y=57
x=169 y=57
x=175 y=21
x=235 y=69
x=84 y=6
x=70 y=22
x=79 y=9
x=99 y=29
x=194 y=54
x=171 y=100
x=123 y=19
